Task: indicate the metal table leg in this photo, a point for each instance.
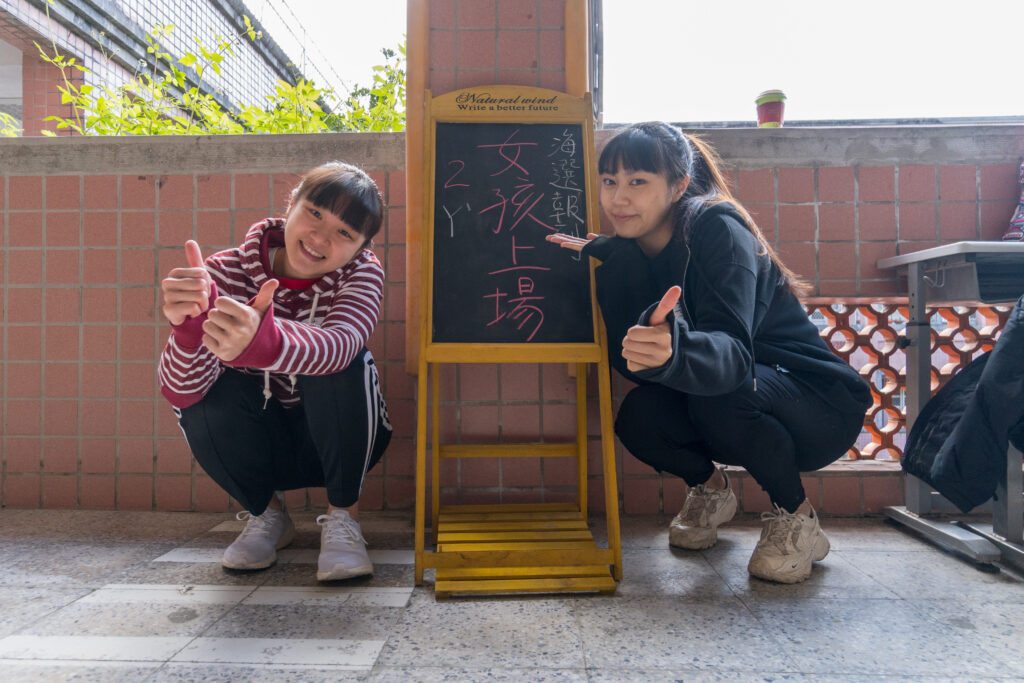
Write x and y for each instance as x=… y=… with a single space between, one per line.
x=1007 y=529
x=919 y=376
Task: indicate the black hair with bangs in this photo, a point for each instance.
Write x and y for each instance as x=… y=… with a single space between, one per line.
x=663 y=149
x=650 y=147
x=347 y=192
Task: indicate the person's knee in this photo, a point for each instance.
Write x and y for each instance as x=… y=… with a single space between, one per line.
x=232 y=396
x=734 y=406
x=351 y=379
x=633 y=422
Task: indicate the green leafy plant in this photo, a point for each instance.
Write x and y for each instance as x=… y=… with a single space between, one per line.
x=380 y=107
x=8 y=126
x=169 y=98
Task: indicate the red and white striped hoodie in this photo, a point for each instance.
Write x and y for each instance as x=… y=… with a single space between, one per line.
x=314 y=331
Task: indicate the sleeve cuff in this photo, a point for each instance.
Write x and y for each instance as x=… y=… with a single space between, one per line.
x=599 y=248
x=265 y=347
x=189 y=334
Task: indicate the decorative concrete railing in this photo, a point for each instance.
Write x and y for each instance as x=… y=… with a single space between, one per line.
x=868 y=333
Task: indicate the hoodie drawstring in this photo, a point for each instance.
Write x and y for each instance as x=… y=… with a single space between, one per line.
x=292 y=376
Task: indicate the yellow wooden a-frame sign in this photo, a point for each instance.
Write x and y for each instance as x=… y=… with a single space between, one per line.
x=512 y=548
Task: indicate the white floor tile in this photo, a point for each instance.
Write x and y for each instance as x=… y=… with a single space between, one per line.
x=102 y=648
x=151 y=593
x=357 y=654
x=286 y=556
x=324 y=596
x=192 y=555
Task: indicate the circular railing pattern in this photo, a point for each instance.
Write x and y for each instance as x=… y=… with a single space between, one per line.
x=869 y=335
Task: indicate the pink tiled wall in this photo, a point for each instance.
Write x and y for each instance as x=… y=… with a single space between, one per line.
x=831 y=224
x=83 y=422
x=85 y=242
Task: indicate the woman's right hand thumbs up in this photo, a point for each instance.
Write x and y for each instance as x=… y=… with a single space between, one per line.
x=186 y=291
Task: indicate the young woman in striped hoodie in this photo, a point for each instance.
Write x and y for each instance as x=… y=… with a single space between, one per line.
x=268 y=371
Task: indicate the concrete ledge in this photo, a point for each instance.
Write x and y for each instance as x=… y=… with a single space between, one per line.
x=755 y=148
x=199 y=154
x=741 y=148
x=843 y=489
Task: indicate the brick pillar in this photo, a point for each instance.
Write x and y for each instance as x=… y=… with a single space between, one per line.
x=511 y=42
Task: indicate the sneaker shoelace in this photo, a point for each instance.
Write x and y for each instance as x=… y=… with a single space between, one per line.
x=695 y=505
x=254 y=523
x=343 y=530
x=782 y=528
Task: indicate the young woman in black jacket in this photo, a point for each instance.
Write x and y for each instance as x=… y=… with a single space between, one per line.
x=703 y=316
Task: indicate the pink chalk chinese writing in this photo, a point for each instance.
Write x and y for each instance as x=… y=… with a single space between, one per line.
x=498 y=199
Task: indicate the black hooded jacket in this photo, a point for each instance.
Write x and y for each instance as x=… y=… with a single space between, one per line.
x=734 y=310
x=958 y=443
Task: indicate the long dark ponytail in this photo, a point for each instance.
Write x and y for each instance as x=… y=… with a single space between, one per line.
x=657 y=147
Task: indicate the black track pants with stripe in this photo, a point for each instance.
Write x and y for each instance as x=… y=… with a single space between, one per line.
x=332 y=439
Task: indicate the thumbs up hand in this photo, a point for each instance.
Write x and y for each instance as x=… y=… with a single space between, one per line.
x=650 y=346
x=186 y=291
x=231 y=326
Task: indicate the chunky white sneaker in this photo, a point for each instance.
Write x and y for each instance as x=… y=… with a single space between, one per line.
x=256 y=547
x=696 y=525
x=789 y=543
x=342 y=548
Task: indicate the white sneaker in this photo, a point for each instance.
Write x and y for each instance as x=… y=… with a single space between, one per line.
x=256 y=547
x=696 y=525
x=342 y=548
x=788 y=545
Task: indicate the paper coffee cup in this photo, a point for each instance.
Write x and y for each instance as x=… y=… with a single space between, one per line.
x=770 y=107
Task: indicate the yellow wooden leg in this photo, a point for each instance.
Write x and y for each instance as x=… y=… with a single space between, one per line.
x=421 y=465
x=581 y=437
x=435 y=446
x=611 y=487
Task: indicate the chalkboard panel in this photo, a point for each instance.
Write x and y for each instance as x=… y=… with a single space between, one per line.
x=499 y=189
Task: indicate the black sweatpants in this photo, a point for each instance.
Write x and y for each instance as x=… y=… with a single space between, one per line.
x=775 y=433
x=332 y=438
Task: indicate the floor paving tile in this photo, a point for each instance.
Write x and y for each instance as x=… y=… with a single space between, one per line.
x=389 y=674
x=298 y=621
x=691 y=676
x=128 y=620
x=113 y=597
x=99 y=648
x=498 y=633
x=233 y=673
x=44 y=671
x=21 y=606
x=660 y=633
x=946 y=574
x=868 y=637
x=355 y=654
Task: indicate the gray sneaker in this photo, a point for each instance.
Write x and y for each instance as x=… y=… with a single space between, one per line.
x=789 y=543
x=342 y=548
x=696 y=525
x=256 y=547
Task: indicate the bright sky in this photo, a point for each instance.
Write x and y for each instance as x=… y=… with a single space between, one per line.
x=341 y=38
x=707 y=61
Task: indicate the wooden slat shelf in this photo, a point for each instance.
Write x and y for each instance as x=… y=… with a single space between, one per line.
x=525 y=532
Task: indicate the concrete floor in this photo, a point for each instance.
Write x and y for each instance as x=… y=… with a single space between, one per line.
x=123 y=596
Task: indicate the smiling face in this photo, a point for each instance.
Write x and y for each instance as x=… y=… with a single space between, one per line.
x=316 y=242
x=639 y=206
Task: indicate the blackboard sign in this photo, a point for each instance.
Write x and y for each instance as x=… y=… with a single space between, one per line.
x=499 y=190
